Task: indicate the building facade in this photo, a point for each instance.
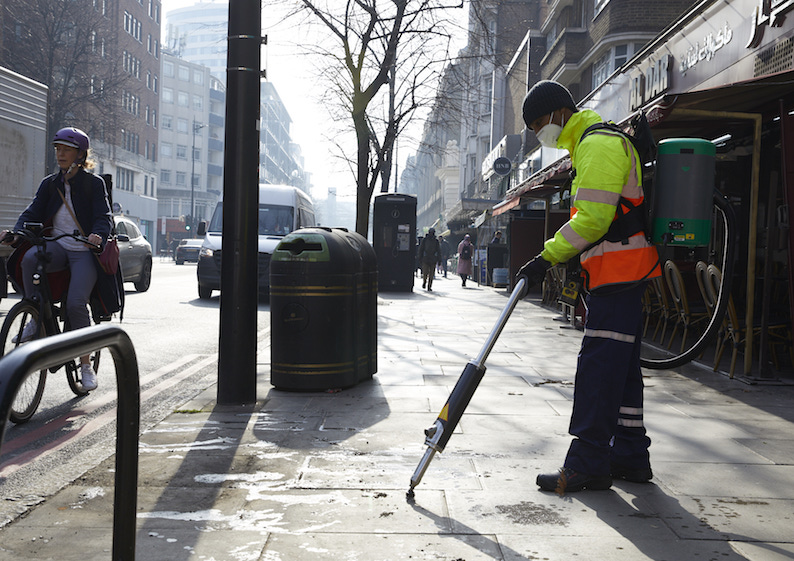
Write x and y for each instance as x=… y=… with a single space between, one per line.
x=198 y=33
x=280 y=159
x=190 y=142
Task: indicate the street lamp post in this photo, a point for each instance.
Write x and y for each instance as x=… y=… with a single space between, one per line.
x=196 y=128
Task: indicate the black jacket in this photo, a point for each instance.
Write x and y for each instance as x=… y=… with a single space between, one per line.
x=89 y=201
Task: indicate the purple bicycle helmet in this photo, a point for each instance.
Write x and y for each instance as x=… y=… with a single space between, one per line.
x=73 y=137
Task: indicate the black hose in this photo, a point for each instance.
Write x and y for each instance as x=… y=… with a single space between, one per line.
x=721 y=307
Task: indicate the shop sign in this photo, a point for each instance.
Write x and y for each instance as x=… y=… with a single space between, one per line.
x=502 y=166
x=651 y=83
x=706 y=50
x=507 y=148
x=767 y=12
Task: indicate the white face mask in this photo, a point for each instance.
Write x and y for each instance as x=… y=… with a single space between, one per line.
x=549 y=134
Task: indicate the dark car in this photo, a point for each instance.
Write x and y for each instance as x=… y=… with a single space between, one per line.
x=135 y=254
x=188 y=250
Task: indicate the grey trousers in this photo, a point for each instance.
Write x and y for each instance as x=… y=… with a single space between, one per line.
x=83 y=277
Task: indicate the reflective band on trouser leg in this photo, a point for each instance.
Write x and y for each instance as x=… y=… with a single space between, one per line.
x=630 y=417
x=607 y=378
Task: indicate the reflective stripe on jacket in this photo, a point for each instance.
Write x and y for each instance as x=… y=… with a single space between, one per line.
x=606 y=165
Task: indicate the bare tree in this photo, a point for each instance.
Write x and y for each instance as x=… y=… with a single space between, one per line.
x=69 y=46
x=402 y=44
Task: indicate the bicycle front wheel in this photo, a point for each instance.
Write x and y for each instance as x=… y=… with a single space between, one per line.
x=20 y=326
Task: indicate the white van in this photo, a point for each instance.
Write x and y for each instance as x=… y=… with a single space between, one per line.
x=282 y=209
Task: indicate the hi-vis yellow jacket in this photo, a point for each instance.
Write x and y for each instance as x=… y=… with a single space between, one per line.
x=607 y=168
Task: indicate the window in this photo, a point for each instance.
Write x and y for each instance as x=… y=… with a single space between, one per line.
x=132 y=25
x=197 y=154
x=181 y=178
x=198 y=78
x=166 y=149
x=601 y=70
x=181 y=126
x=125 y=179
x=130 y=102
x=621 y=55
x=131 y=64
x=611 y=60
x=165 y=176
x=184 y=73
x=182 y=99
x=168 y=69
x=599 y=5
x=168 y=95
x=181 y=152
x=168 y=122
x=198 y=103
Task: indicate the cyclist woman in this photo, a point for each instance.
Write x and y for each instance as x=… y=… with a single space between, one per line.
x=87 y=211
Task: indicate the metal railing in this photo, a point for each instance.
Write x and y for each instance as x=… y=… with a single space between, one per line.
x=55 y=350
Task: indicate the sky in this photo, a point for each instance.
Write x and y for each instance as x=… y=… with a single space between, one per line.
x=295 y=79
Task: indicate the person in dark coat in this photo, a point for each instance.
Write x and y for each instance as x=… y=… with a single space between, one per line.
x=72 y=199
x=429 y=254
x=444 y=244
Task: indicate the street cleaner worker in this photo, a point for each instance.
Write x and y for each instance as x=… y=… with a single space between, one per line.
x=616 y=260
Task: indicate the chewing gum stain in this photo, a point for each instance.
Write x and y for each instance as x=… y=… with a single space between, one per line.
x=530 y=514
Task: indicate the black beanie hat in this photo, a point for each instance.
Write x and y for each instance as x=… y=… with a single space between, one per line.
x=546 y=97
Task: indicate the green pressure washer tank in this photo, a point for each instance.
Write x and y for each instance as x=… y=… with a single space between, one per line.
x=683 y=192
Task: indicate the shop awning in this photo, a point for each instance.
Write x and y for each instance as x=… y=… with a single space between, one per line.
x=677 y=115
x=540 y=185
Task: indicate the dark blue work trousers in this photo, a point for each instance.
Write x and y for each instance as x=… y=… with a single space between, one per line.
x=607 y=418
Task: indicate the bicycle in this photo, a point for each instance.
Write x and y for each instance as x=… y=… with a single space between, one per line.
x=46 y=307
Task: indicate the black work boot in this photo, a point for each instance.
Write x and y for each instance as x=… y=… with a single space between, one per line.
x=567 y=480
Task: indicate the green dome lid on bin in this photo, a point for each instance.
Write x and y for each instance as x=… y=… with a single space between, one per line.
x=303 y=246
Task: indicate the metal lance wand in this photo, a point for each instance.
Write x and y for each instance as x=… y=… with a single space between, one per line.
x=438 y=435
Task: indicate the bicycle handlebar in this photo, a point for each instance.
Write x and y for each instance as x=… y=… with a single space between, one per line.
x=36 y=239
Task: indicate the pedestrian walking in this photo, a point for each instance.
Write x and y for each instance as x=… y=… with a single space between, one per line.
x=465 y=254
x=610 y=440
x=444 y=245
x=429 y=254
x=497 y=237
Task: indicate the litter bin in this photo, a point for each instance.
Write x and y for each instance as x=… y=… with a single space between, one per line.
x=323 y=310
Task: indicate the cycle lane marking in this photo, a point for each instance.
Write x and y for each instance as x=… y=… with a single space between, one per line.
x=14 y=464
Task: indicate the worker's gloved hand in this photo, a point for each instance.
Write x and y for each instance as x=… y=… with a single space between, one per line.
x=533 y=272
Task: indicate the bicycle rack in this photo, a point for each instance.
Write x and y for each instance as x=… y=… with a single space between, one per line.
x=51 y=351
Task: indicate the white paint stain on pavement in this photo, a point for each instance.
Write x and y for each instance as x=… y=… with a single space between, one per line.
x=261 y=520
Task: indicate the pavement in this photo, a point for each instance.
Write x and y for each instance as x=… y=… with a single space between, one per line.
x=323 y=475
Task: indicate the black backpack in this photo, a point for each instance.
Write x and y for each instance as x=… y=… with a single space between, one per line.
x=640 y=136
x=637 y=218
x=465 y=252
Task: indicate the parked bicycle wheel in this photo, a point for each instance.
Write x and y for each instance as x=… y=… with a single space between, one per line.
x=73 y=374
x=20 y=326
